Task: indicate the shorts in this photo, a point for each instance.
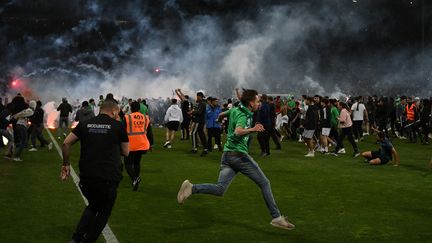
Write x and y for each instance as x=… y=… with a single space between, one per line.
x=308 y=134
x=173 y=125
x=325 y=131
x=377 y=155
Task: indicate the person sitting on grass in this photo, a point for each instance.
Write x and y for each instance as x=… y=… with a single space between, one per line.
x=386 y=152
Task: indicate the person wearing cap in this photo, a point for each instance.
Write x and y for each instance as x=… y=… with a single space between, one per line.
x=236 y=159
x=65 y=109
x=198 y=118
x=385 y=154
x=213 y=126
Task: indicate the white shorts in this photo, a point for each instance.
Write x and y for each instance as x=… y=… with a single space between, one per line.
x=325 y=131
x=308 y=134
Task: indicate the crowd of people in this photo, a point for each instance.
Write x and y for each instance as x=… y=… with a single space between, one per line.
x=114 y=128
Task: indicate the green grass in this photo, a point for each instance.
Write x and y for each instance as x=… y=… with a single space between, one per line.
x=329 y=199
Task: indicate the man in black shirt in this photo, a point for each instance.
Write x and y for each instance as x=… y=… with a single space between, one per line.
x=103 y=141
x=37 y=128
x=198 y=117
x=65 y=109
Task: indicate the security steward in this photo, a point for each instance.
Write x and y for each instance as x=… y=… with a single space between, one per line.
x=136 y=125
x=103 y=141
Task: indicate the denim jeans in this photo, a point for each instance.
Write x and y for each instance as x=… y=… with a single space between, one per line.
x=63 y=126
x=231 y=163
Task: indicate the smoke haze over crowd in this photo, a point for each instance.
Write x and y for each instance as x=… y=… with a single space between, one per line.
x=149 y=48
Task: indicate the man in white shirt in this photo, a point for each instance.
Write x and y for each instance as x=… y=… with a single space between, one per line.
x=359 y=113
x=173 y=118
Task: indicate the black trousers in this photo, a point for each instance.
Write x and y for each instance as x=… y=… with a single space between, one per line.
x=275 y=135
x=101 y=196
x=358 y=129
x=36 y=132
x=185 y=128
x=133 y=163
x=346 y=132
x=199 y=131
x=264 y=141
x=216 y=134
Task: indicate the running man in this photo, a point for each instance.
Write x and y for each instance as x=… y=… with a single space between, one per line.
x=236 y=159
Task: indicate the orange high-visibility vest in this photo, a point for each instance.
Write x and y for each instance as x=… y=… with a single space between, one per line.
x=136 y=127
x=410 y=113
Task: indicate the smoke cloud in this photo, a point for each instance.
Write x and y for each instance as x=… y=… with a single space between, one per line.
x=296 y=48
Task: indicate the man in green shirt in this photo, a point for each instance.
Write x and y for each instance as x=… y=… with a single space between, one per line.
x=236 y=159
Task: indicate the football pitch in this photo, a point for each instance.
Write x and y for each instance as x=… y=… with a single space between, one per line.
x=329 y=199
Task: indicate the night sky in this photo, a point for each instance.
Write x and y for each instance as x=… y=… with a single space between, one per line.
x=385 y=33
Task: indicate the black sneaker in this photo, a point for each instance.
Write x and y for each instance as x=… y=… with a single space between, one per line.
x=204 y=153
x=136 y=183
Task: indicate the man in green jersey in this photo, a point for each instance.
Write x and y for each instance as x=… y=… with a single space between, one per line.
x=236 y=159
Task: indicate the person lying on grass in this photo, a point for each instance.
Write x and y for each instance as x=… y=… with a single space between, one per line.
x=386 y=152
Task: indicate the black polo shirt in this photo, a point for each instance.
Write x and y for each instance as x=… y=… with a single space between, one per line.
x=101 y=139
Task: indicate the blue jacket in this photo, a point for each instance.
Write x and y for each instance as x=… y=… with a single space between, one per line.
x=211 y=116
x=264 y=116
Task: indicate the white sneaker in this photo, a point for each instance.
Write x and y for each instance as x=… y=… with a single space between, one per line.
x=215 y=146
x=166 y=144
x=310 y=154
x=50 y=146
x=169 y=146
x=402 y=137
x=184 y=192
x=33 y=150
x=356 y=140
x=282 y=223
x=341 y=151
x=17 y=159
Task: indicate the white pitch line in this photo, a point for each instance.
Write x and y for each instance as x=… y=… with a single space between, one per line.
x=106 y=232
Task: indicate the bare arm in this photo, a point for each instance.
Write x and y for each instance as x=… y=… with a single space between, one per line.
x=238 y=93
x=396 y=157
x=244 y=131
x=125 y=149
x=180 y=94
x=67 y=144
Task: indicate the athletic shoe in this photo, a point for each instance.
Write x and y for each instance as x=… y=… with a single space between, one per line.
x=356 y=140
x=33 y=150
x=402 y=137
x=184 y=192
x=58 y=138
x=50 y=146
x=64 y=135
x=334 y=154
x=204 y=153
x=166 y=144
x=341 y=151
x=310 y=154
x=169 y=146
x=215 y=146
x=194 y=151
x=356 y=154
x=17 y=159
x=136 y=183
x=282 y=223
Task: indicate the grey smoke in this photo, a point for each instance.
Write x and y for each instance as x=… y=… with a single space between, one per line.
x=273 y=52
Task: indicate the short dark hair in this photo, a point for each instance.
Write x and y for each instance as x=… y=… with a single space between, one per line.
x=108 y=105
x=381 y=134
x=174 y=101
x=135 y=106
x=84 y=103
x=248 y=96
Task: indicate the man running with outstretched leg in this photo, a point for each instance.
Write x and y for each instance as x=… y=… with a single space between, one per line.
x=236 y=159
